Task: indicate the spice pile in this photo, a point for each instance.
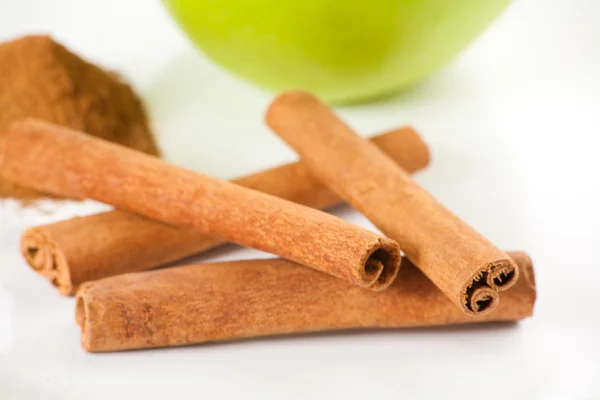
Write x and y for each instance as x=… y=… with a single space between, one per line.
x=40 y=78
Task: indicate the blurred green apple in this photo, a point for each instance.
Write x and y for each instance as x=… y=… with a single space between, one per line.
x=342 y=50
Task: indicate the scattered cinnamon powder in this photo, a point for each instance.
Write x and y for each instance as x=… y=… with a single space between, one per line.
x=41 y=78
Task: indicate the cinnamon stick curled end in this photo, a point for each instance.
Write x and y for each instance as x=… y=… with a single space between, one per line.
x=382 y=265
x=483 y=300
x=45 y=258
x=80 y=308
x=86 y=314
x=502 y=275
x=481 y=295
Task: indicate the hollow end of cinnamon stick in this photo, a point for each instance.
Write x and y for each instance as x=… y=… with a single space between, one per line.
x=502 y=275
x=483 y=300
x=480 y=296
x=46 y=258
x=381 y=265
x=80 y=312
x=81 y=317
x=87 y=313
x=477 y=297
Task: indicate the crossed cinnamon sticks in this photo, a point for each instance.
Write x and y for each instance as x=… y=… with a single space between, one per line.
x=468 y=269
x=83 y=249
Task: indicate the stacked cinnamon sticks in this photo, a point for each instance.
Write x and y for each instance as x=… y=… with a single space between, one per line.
x=331 y=274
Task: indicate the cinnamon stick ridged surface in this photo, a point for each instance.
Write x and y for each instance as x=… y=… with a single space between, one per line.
x=243 y=299
x=87 y=248
x=83 y=249
x=68 y=163
x=458 y=259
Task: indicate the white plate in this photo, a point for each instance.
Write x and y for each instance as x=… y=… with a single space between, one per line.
x=513 y=126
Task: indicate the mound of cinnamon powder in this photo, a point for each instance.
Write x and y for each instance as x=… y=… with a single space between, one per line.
x=40 y=78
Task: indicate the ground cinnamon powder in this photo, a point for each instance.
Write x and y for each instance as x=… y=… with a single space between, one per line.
x=41 y=78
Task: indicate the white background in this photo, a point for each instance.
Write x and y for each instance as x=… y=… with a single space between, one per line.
x=513 y=125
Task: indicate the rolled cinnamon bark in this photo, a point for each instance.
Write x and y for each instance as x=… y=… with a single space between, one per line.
x=111 y=243
x=243 y=299
x=61 y=161
x=459 y=260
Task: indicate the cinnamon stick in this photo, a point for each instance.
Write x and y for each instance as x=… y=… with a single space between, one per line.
x=244 y=299
x=459 y=260
x=68 y=163
x=82 y=249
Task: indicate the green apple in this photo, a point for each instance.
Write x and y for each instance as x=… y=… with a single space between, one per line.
x=342 y=50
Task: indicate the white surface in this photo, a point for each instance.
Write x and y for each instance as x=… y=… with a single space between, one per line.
x=513 y=126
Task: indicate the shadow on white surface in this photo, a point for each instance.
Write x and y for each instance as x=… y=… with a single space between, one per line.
x=209 y=121
x=448 y=331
